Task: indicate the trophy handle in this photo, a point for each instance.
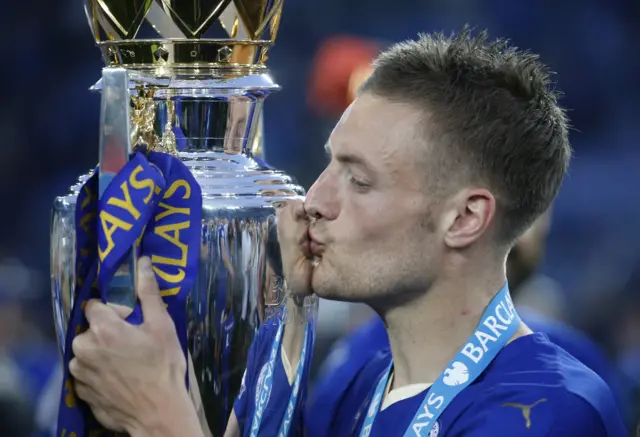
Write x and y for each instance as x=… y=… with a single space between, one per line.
x=115 y=150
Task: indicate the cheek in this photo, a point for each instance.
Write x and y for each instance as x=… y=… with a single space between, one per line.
x=374 y=220
x=364 y=216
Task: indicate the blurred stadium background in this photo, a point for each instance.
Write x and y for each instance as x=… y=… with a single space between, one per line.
x=590 y=274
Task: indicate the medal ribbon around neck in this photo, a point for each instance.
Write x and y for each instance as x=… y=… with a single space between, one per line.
x=154 y=207
x=498 y=324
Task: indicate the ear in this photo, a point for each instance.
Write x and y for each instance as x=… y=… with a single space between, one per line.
x=469 y=214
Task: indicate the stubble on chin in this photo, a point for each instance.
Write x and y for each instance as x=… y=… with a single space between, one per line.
x=326 y=283
x=319 y=283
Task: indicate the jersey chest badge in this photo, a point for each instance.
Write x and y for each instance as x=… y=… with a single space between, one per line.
x=435 y=430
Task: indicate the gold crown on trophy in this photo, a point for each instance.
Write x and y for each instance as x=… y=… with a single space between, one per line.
x=143 y=34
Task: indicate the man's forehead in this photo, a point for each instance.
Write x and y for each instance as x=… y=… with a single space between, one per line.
x=375 y=124
x=346 y=113
x=382 y=136
x=376 y=114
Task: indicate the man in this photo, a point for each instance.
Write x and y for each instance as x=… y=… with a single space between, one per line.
x=340 y=67
x=452 y=149
x=350 y=355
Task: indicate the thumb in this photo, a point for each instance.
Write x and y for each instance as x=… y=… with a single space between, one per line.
x=148 y=290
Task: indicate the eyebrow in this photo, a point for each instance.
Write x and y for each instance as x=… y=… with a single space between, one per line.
x=346 y=158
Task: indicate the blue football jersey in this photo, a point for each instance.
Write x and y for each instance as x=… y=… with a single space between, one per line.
x=275 y=405
x=533 y=388
x=353 y=350
x=350 y=354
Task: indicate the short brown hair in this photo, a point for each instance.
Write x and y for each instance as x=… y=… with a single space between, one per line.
x=492 y=113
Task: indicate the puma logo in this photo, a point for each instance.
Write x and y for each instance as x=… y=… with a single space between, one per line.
x=526 y=410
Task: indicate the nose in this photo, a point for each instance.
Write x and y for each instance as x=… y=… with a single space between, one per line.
x=322 y=199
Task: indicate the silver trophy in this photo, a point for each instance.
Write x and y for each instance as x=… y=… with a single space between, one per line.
x=196 y=83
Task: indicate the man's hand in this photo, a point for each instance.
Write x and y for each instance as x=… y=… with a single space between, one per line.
x=293 y=237
x=132 y=377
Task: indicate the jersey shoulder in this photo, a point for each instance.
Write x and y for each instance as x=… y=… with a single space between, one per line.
x=571 y=340
x=536 y=387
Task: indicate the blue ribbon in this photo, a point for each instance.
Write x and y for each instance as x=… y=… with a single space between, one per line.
x=154 y=207
x=498 y=324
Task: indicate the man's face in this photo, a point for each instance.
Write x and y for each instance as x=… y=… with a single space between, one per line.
x=373 y=232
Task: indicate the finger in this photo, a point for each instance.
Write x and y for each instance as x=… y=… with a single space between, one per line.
x=292 y=212
x=97 y=312
x=85 y=392
x=298 y=212
x=121 y=310
x=88 y=393
x=282 y=221
x=280 y=207
x=105 y=328
x=305 y=245
x=80 y=371
x=272 y=250
x=106 y=420
x=149 y=292
x=304 y=239
x=93 y=399
x=84 y=347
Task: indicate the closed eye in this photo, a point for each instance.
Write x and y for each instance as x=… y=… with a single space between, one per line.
x=358 y=183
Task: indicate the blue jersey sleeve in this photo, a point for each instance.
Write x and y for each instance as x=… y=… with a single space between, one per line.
x=273 y=409
x=569 y=417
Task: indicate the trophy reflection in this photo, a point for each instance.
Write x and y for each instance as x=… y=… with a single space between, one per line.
x=197 y=83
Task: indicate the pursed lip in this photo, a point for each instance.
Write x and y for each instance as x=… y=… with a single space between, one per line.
x=315 y=246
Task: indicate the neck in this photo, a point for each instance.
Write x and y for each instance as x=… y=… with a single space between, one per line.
x=426 y=334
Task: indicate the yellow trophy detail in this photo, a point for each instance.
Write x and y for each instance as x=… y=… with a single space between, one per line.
x=197 y=34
